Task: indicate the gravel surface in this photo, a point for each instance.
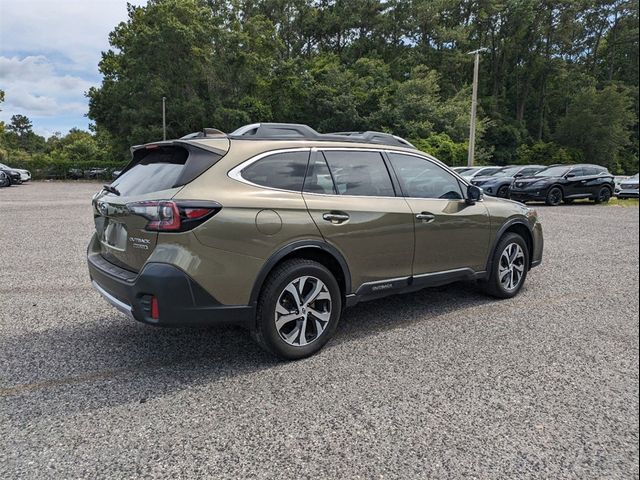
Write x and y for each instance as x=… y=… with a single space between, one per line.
x=440 y=383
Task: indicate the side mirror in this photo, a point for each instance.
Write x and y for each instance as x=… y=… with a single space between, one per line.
x=570 y=175
x=518 y=175
x=474 y=194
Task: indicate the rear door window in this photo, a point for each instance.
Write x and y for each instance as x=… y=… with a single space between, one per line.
x=284 y=171
x=359 y=173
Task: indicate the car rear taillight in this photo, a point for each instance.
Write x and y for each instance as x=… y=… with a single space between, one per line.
x=174 y=216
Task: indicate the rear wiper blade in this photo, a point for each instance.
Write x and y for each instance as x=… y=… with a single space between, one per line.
x=111 y=189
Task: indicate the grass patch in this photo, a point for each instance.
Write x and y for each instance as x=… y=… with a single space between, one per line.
x=616 y=202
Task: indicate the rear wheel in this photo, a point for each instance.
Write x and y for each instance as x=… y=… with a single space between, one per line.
x=298 y=310
x=503 y=191
x=554 y=197
x=604 y=195
x=509 y=267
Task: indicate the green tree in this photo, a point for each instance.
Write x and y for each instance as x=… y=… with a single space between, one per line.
x=598 y=123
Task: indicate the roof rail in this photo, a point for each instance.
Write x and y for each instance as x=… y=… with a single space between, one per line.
x=377 y=137
x=287 y=131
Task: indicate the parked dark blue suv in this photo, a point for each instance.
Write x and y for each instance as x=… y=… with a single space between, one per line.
x=565 y=183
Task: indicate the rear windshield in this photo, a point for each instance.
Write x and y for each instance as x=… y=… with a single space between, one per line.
x=157 y=169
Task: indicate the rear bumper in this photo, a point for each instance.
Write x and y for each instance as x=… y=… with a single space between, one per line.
x=181 y=301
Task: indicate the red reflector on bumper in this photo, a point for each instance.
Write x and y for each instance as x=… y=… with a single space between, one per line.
x=155 y=311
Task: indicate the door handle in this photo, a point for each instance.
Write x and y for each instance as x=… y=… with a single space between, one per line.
x=335 y=217
x=426 y=216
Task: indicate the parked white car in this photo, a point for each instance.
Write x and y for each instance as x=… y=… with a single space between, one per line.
x=25 y=175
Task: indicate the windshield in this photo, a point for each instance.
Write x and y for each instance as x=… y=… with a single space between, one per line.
x=507 y=172
x=487 y=171
x=558 y=171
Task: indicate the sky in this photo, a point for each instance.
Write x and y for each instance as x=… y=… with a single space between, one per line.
x=49 y=54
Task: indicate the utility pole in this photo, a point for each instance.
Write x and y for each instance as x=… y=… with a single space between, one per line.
x=474 y=106
x=164 y=119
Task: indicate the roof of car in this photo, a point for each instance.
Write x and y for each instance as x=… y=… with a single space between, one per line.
x=297 y=131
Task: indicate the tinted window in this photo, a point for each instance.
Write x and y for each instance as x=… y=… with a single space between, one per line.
x=558 y=171
x=506 y=172
x=525 y=172
x=577 y=172
x=359 y=173
x=420 y=178
x=153 y=170
x=318 y=177
x=280 y=170
x=591 y=171
x=486 y=172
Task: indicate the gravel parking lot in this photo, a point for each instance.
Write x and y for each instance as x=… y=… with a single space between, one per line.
x=441 y=383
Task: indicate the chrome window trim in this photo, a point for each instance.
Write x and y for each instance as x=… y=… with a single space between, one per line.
x=236 y=172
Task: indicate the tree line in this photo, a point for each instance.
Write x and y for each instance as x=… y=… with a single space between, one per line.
x=558 y=81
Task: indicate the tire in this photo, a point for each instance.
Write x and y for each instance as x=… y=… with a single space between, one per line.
x=286 y=324
x=503 y=191
x=495 y=285
x=554 y=197
x=604 y=195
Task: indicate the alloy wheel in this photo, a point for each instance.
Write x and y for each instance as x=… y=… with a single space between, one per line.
x=605 y=195
x=303 y=311
x=555 y=196
x=511 y=268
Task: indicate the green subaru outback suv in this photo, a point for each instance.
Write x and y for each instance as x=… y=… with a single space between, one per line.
x=279 y=228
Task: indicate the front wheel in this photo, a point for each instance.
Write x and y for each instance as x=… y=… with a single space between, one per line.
x=509 y=267
x=503 y=191
x=604 y=195
x=554 y=197
x=298 y=310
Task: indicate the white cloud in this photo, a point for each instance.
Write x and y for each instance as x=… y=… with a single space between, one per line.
x=33 y=87
x=49 y=54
